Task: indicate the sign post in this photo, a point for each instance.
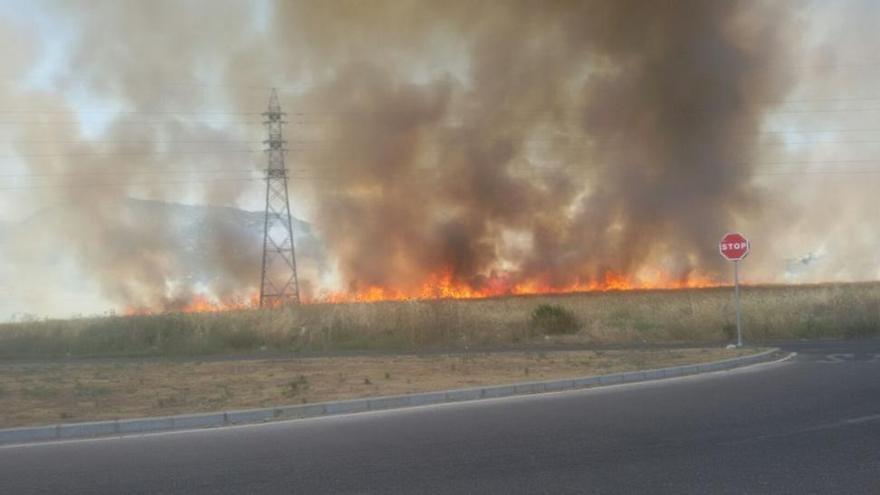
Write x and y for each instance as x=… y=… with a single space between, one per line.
x=739 y=331
x=734 y=247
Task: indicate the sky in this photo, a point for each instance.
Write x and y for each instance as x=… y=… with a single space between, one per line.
x=510 y=119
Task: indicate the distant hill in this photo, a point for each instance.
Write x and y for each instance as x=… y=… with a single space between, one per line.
x=210 y=243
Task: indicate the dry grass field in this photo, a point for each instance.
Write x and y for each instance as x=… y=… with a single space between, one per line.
x=697 y=315
x=45 y=393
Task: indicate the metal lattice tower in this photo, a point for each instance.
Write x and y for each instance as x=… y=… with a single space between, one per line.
x=278 y=284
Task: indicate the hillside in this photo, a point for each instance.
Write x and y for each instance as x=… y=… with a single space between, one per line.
x=81 y=258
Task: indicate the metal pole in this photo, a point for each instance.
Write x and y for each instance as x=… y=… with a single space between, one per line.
x=739 y=332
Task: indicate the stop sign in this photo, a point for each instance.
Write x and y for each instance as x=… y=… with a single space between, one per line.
x=734 y=246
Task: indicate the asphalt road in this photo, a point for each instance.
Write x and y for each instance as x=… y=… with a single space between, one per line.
x=807 y=425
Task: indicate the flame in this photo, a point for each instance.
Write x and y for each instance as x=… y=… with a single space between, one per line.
x=199 y=303
x=444 y=286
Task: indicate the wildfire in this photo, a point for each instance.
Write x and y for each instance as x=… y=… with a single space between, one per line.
x=443 y=286
x=199 y=303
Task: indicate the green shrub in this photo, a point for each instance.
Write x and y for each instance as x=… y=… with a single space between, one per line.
x=242 y=339
x=729 y=331
x=554 y=320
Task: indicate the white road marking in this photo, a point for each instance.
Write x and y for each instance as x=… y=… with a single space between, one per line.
x=826 y=426
x=837 y=358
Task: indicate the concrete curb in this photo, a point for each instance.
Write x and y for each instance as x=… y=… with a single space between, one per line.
x=209 y=420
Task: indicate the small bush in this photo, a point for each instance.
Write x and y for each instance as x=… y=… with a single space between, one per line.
x=241 y=340
x=729 y=331
x=295 y=387
x=554 y=320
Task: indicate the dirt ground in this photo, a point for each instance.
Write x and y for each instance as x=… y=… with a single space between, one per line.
x=46 y=393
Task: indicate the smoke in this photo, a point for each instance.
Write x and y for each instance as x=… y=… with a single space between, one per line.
x=673 y=115
x=134 y=138
x=607 y=137
x=485 y=144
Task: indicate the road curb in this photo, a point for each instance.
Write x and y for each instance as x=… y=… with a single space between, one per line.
x=217 y=419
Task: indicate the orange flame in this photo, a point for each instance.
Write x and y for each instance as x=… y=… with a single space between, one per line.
x=444 y=286
x=199 y=303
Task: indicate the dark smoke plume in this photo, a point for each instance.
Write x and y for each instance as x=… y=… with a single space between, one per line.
x=545 y=142
x=604 y=135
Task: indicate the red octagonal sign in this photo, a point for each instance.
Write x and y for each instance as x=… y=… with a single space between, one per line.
x=734 y=246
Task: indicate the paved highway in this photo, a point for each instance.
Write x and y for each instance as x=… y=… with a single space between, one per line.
x=807 y=425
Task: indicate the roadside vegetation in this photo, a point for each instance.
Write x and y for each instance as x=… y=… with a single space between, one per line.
x=51 y=392
x=549 y=319
x=666 y=316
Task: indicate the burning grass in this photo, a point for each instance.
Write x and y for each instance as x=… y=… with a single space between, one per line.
x=645 y=316
x=443 y=285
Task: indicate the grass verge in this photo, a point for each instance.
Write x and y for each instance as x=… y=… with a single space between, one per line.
x=47 y=393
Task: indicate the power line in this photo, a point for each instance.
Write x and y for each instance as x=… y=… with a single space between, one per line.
x=307 y=178
x=834 y=99
x=550 y=166
x=134 y=141
x=820 y=172
x=77 y=173
x=130 y=122
x=580 y=142
x=129 y=153
x=821 y=110
x=862 y=67
x=373 y=113
x=78 y=111
x=125 y=184
x=341 y=171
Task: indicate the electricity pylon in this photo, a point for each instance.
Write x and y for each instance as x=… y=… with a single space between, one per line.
x=278 y=285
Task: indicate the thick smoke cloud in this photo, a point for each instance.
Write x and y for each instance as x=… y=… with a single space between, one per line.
x=673 y=114
x=148 y=141
x=608 y=136
x=547 y=144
